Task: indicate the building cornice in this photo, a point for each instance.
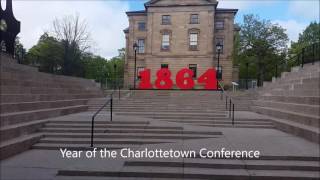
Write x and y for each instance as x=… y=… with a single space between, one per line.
x=223 y=10
x=137 y=13
x=151 y=3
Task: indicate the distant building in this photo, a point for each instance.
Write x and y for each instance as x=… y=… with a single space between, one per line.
x=180 y=34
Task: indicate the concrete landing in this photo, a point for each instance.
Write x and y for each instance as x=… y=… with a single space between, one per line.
x=282 y=155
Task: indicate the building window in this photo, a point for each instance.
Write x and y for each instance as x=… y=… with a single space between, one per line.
x=194 y=39
x=219 y=24
x=221 y=41
x=194 y=19
x=193 y=67
x=166 y=66
x=141 y=46
x=165 y=44
x=139 y=69
x=142 y=26
x=166 y=19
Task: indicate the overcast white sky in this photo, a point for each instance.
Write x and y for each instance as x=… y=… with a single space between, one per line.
x=106 y=19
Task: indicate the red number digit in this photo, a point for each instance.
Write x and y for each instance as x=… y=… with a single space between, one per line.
x=209 y=79
x=145 y=79
x=163 y=79
x=184 y=82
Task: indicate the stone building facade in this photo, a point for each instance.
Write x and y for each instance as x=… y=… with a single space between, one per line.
x=179 y=34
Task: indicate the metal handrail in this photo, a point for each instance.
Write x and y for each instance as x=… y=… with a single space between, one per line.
x=231 y=108
x=110 y=100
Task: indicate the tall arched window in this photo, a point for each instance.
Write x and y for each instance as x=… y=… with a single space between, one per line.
x=194 y=39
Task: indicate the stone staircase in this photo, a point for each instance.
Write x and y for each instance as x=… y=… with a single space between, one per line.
x=118 y=134
x=293 y=101
x=28 y=97
x=203 y=108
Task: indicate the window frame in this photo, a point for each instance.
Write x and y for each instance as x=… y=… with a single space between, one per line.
x=144 y=46
x=194 y=22
x=195 y=71
x=168 y=33
x=219 y=21
x=167 y=66
x=166 y=21
x=139 y=27
x=194 y=47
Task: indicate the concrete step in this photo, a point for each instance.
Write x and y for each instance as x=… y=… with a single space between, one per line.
x=51 y=146
x=111 y=141
x=232 y=164
x=14 y=98
x=43 y=90
x=161 y=117
x=27 y=116
x=305 y=119
x=35 y=105
x=296 y=92
x=63 y=82
x=217 y=122
x=16 y=130
x=230 y=125
x=311 y=100
x=299 y=108
x=126 y=131
x=19 y=72
x=177 y=114
x=124 y=136
x=196 y=173
x=306 y=132
x=63 y=125
x=97 y=122
x=293 y=86
x=162 y=110
x=18 y=145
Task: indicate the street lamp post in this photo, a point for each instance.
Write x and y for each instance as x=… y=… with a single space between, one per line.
x=219 y=47
x=135 y=48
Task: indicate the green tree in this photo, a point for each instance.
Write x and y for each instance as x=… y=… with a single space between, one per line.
x=95 y=67
x=116 y=69
x=308 y=37
x=262 y=43
x=47 y=54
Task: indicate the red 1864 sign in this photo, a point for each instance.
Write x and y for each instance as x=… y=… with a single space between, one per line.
x=183 y=79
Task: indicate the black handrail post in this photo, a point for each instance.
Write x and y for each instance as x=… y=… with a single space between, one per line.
x=230 y=108
x=119 y=92
x=111 y=103
x=92 y=130
x=226 y=102
x=232 y=114
x=313 y=54
x=302 y=58
x=247 y=75
x=276 y=71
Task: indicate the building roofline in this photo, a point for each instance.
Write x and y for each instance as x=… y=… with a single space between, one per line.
x=151 y=2
x=136 y=13
x=225 y=10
